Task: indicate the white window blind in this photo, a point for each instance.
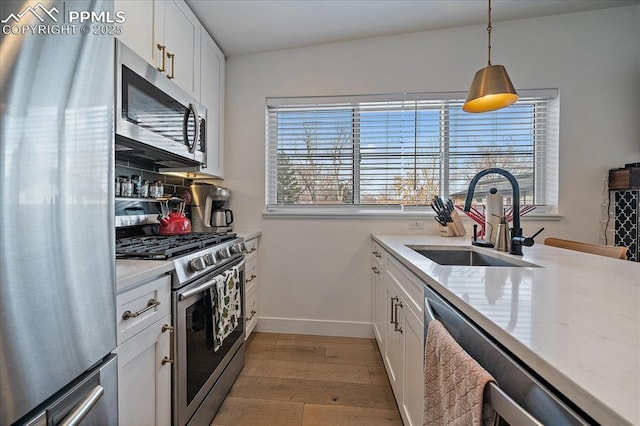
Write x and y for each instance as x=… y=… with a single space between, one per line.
x=392 y=151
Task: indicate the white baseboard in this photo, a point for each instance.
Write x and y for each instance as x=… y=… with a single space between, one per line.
x=315 y=327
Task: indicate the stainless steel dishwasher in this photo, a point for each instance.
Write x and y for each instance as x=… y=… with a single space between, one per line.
x=520 y=398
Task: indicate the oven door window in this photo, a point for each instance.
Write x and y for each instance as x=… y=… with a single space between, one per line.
x=202 y=360
x=149 y=107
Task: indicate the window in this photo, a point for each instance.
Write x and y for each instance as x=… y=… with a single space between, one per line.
x=399 y=151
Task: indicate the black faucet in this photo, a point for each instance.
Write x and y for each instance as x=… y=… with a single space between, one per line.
x=517 y=240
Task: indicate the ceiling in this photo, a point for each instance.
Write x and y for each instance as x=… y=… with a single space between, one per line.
x=242 y=27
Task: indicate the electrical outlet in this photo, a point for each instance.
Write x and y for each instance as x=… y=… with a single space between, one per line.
x=416 y=225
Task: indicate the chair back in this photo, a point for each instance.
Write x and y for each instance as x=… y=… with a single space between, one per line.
x=609 y=251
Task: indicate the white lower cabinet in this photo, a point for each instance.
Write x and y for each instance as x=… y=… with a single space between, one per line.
x=251 y=285
x=144 y=377
x=144 y=353
x=394 y=348
x=413 y=382
x=379 y=319
x=399 y=329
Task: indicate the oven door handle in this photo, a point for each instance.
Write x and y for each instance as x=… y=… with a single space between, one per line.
x=206 y=285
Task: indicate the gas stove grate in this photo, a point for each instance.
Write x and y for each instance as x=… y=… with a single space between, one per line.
x=160 y=247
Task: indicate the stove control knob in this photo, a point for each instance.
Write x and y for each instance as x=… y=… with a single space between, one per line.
x=236 y=249
x=197 y=264
x=209 y=259
x=223 y=253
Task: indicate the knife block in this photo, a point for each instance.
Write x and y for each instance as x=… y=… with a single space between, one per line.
x=449 y=230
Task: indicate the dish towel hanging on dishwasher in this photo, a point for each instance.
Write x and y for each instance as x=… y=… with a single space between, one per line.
x=226 y=305
x=454 y=383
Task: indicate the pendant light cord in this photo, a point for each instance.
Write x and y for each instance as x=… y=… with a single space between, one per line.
x=489 y=34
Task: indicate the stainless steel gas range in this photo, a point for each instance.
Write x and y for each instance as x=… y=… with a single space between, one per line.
x=208 y=350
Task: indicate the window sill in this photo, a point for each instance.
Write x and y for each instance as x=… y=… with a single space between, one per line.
x=383 y=215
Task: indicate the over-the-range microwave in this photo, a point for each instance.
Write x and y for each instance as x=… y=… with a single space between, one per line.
x=157 y=123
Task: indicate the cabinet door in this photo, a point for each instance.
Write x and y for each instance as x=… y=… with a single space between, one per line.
x=379 y=304
x=413 y=380
x=212 y=96
x=251 y=310
x=137 y=29
x=251 y=285
x=394 y=347
x=182 y=41
x=144 y=383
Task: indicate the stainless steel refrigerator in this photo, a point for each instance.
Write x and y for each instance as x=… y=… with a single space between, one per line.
x=57 y=261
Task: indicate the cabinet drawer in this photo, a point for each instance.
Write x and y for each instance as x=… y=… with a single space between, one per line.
x=377 y=256
x=251 y=275
x=133 y=305
x=251 y=311
x=251 y=245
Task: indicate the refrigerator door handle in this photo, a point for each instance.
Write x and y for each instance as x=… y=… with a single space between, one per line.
x=83 y=408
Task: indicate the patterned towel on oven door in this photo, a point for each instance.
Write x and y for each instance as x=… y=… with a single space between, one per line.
x=227 y=309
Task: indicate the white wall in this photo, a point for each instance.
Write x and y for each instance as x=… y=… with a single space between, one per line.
x=314 y=273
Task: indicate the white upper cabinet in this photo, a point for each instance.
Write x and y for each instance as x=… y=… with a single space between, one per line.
x=166 y=34
x=169 y=36
x=178 y=30
x=137 y=29
x=212 y=65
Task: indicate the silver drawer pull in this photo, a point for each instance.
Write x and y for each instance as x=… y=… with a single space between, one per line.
x=396 y=326
x=152 y=303
x=375 y=270
x=168 y=359
x=253 y=314
x=376 y=254
x=253 y=277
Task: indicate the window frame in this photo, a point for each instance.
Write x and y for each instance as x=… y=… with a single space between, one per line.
x=544 y=181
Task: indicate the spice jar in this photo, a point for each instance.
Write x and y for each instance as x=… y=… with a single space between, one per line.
x=118 y=187
x=126 y=189
x=137 y=184
x=144 y=189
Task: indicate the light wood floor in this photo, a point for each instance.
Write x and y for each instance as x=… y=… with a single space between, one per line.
x=301 y=380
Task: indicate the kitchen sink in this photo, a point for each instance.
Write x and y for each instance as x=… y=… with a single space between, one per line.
x=466 y=256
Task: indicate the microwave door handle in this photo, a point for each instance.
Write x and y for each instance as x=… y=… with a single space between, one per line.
x=185 y=128
x=196 y=122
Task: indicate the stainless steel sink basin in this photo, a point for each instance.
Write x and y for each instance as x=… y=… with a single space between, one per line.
x=466 y=256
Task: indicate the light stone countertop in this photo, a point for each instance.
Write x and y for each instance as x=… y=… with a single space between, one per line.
x=575 y=320
x=248 y=234
x=130 y=272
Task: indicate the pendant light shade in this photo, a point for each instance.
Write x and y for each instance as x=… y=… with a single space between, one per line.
x=491 y=88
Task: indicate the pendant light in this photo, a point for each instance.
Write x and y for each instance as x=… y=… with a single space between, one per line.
x=491 y=88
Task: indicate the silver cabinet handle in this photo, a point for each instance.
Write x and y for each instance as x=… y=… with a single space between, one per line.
x=172 y=57
x=83 y=408
x=376 y=254
x=396 y=326
x=161 y=48
x=375 y=270
x=168 y=359
x=251 y=251
x=253 y=277
x=253 y=314
x=392 y=310
x=152 y=303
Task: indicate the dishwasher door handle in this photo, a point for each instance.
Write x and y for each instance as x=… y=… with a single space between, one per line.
x=506 y=407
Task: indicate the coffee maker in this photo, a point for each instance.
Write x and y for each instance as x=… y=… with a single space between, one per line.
x=209 y=212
